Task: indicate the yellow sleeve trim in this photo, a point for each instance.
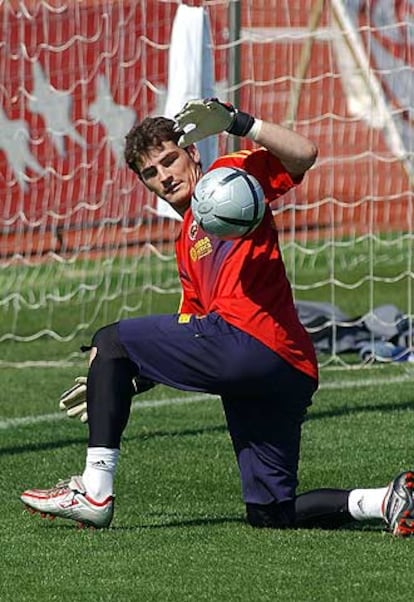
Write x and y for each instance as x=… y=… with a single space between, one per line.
x=241 y=153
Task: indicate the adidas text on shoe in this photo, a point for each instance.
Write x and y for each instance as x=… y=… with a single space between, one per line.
x=398 y=505
x=69 y=499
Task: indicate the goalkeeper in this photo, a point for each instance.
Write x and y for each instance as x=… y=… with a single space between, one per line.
x=236 y=334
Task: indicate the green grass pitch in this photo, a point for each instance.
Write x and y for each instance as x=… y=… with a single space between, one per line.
x=178 y=531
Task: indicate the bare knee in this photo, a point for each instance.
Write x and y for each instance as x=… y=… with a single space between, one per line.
x=92 y=354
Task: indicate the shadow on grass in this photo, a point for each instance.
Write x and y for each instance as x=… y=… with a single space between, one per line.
x=373 y=525
x=370 y=525
x=359 y=527
x=191 y=522
x=168 y=524
x=142 y=436
x=314 y=414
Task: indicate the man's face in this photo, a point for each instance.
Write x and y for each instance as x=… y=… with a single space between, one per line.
x=172 y=173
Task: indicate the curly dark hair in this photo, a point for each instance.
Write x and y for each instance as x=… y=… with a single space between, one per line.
x=148 y=134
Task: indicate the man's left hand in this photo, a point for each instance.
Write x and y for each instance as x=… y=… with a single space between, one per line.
x=208 y=117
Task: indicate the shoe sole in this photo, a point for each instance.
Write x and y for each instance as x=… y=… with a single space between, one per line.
x=49 y=516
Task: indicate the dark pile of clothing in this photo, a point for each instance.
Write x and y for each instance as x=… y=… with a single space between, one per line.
x=384 y=334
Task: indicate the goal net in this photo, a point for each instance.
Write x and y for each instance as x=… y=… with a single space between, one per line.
x=82 y=243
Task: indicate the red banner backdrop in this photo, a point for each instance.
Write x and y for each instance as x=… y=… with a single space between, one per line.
x=75 y=77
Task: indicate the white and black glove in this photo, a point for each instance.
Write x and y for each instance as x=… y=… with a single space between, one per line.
x=208 y=117
x=73 y=401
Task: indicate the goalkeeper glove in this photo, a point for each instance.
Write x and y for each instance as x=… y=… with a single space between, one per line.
x=208 y=117
x=73 y=401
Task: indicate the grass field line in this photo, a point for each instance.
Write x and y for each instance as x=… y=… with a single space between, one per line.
x=10 y=423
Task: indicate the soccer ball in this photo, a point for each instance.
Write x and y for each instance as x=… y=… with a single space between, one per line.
x=228 y=203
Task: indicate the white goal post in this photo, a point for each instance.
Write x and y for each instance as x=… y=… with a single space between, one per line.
x=82 y=243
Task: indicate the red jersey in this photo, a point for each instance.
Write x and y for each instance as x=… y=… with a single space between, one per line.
x=244 y=280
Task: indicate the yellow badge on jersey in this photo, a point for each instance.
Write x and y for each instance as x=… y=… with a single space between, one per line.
x=184 y=318
x=201 y=248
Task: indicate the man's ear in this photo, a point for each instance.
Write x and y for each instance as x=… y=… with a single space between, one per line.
x=194 y=153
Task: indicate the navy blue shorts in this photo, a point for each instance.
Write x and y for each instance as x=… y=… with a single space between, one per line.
x=264 y=397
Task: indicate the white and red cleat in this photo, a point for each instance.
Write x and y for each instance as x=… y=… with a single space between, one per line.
x=398 y=505
x=69 y=499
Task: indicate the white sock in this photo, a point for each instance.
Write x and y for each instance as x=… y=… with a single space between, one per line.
x=364 y=504
x=98 y=476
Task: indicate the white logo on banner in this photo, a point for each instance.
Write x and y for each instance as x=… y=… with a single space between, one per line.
x=14 y=142
x=116 y=119
x=55 y=107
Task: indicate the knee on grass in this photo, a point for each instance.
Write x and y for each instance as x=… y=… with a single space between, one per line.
x=271 y=516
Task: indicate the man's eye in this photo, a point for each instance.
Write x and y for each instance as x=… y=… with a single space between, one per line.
x=149 y=173
x=169 y=159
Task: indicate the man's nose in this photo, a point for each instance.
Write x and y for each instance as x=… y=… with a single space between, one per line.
x=163 y=173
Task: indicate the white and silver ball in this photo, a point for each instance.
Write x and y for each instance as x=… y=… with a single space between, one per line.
x=228 y=202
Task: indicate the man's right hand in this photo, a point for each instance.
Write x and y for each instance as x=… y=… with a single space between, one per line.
x=73 y=401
